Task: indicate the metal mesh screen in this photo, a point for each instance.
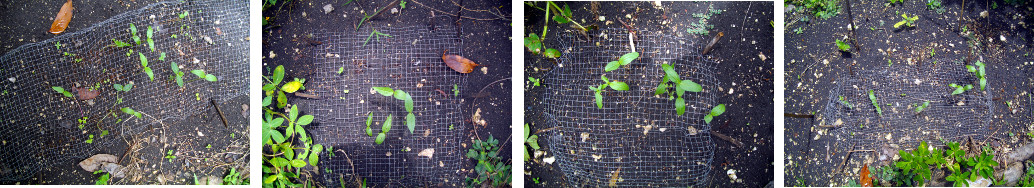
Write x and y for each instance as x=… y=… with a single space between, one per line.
x=41 y=127
x=899 y=91
x=637 y=139
x=410 y=60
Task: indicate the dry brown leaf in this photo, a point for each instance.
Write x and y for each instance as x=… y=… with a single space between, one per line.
x=429 y=153
x=458 y=63
x=614 y=178
x=86 y=93
x=63 y=17
x=865 y=180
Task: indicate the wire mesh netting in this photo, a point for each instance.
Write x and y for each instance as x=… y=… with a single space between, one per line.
x=409 y=60
x=637 y=139
x=899 y=92
x=42 y=127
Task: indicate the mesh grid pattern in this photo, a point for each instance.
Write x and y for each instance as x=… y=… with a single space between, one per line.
x=899 y=91
x=40 y=126
x=410 y=60
x=637 y=135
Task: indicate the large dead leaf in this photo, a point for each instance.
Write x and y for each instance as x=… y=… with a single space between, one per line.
x=865 y=179
x=458 y=63
x=63 y=17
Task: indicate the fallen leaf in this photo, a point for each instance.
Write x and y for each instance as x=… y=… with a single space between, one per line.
x=86 y=93
x=63 y=17
x=429 y=153
x=614 y=177
x=458 y=63
x=94 y=162
x=865 y=179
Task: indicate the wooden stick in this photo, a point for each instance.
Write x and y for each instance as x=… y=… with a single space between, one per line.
x=727 y=138
x=221 y=116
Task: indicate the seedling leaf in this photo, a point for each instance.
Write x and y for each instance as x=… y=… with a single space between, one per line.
x=690 y=86
x=411 y=122
x=386 y=91
x=613 y=65
x=620 y=86
x=387 y=124
x=628 y=58
x=718 y=110
x=380 y=138
x=680 y=106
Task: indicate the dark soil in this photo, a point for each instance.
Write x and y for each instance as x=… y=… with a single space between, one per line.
x=486 y=42
x=741 y=68
x=29 y=21
x=813 y=64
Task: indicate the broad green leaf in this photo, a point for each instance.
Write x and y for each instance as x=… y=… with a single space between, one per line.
x=380 y=138
x=409 y=105
x=620 y=86
x=281 y=99
x=387 y=124
x=266 y=101
x=527 y=131
x=129 y=111
x=179 y=81
x=958 y=90
x=143 y=60
x=127 y=87
x=279 y=162
x=670 y=73
x=983 y=82
x=278 y=74
x=291 y=87
x=970 y=68
x=628 y=58
x=293 y=113
x=690 y=86
x=386 y=91
x=680 y=106
x=613 y=65
x=297 y=163
x=277 y=136
x=150 y=74
x=369 y=119
x=599 y=100
x=314 y=156
x=551 y=53
x=872 y=97
x=707 y=118
x=718 y=110
x=411 y=122
x=533 y=141
x=402 y=95
x=58 y=89
x=175 y=68
x=210 y=78
x=369 y=131
x=305 y=120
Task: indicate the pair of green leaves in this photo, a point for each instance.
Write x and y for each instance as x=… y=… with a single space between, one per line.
x=717 y=110
x=979 y=72
x=615 y=85
x=143 y=62
x=960 y=89
x=123 y=88
x=407 y=99
x=872 y=97
x=150 y=40
x=534 y=44
x=920 y=108
x=132 y=112
x=844 y=101
x=132 y=29
x=622 y=61
x=565 y=15
x=681 y=87
x=534 y=81
x=531 y=140
x=120 y=44
x=62 y=91
x=384 y=128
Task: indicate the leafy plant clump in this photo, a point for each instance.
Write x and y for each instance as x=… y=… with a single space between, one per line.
x=824 y=9
x=978 y=70
x=408 y=102
x=534 y=42
x=908 y=21
x=843 y=46
x=491 y=167
x=916 y=167
x=717 y=110
x=701 y=26
x=892 y=2
x=935 y=5
x=681 y=87
x=282 y=167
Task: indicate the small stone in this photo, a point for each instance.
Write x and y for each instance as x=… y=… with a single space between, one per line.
x=328 y=8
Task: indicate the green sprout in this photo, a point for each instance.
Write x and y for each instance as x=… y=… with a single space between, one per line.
x=842 y=101
x=960 y=89
x=717 y=110
x=681 y=87
x=921 y=107
x=622 y=61
x=978 y=70
x=455 y=90
x=534 y=81
x=375 y=34
x=150 y=41
x=843 y=46
x=62 y=91
x=143 y=62
x=132 y=112
x=384 y=130
x=132 y=29
x=615 y=85
x=531 y=140
x=909 y=21
x=120 y=44
x=211 y=78
x=407 y=100
x=168 y=155
x=89 y=141
x=872 y=97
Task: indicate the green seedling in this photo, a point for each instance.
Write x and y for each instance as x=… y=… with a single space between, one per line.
x=844 y=101
x=615 y=85
x=369 y=120
x=534 y=42
x=62 y=91
x=824 y=9
x=843 y=46
x=161 y=57
x=58 y=45
x=872 y=97
x=978 y=70
x=908 y=21
x=920 y=108
x=150 y=40
x=184 y=14
x=340 y=70
x=534 y=81
x=960 y=89
x=103 y=180
x=701 y=26
x=626 y=59
x=132 y=30
x=530 y=140
x=143 y=62
x=375 y=34
x=681 y=87
x=717 y=110
x=455 y=90
x=132 y=112
x=384 y=130
x=178 y=75
x=892 y=2
x=170 y=156
x=89 y=141
x=120 y=44
x=407 y=100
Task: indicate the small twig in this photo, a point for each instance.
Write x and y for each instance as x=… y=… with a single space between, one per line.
x=727 y=138
x=304 y=95
x=451 y=14
x=546 y=130
x=844 y=163
x=793 y=115
x=221 y=116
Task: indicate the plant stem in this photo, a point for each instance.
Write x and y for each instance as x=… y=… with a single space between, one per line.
x=568 y=18
x=545 y=27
